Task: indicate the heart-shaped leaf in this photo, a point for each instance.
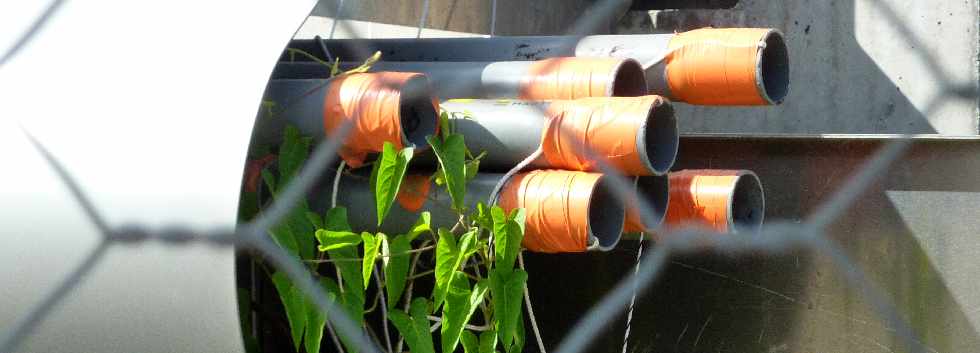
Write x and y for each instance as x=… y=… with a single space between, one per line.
x=391 y=170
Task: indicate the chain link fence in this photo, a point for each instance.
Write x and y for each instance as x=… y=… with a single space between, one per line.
x=776 y=237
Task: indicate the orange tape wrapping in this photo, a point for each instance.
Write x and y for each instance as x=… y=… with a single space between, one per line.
x=605 y=126
x=702 y=197
x=712 y=66
x=413 y=192
x=557 y=208
x=371 y=102
x=569 y=78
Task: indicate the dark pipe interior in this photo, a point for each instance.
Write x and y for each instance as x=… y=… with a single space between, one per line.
x=606 y=216
x=775 y=68
x=655 y=190
x=418 y=116
x=630 y=80
x=748 y=204
x=660 y=138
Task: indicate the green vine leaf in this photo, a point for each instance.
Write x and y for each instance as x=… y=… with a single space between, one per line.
x=472 y=167
x=445 y=129
x=314 y=219
x=508 y=236
x=422 y=225
x=372 y=243
x=471 y=344
x=292 y=154
x=396 y=263
x=446 y=255
x=483 y=217
x=294 y=301
x=284 y=238
x=336 y=219
x=488 y=341
x=519 y=338
x=449 y=258
x=330 y=240
x=507 y=289
x=414 y=328
x=452 y=154
x=461 y=302
x=315 y=319
x=350 y=271
x=518 y=215
x=391 y=170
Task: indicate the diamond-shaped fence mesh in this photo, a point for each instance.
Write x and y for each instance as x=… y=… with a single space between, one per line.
x=775 y=237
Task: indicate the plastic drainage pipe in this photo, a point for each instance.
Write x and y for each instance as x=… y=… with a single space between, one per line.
x=709 y=66
x=725 y=201
x=655 y=190
x=387 y=106
x=567 y=211
x=637 y=135
x=556 y=78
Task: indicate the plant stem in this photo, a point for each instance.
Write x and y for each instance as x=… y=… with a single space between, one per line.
x=422 y=274
x=384 y=309
x=486 y=327
x=408 y=290
x=380 y=256
x=530 y=312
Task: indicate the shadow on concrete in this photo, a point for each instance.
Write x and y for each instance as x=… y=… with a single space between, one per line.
x=836 y=87
x=908 y=232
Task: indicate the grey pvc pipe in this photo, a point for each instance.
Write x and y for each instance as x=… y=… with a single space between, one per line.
x=473 y=79
x=648 y=49
x=300 y=103
x=606 y=212
x=510 y=131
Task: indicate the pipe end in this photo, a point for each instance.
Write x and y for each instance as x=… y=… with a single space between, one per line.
x=748 y=205
x=658 y=138
x=418 y=112
x=629 y=79
x=606 y=216
x=773 y=68
x=655 y=190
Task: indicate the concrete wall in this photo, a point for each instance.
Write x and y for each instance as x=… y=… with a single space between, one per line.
x=858 y=66
x=514 y=17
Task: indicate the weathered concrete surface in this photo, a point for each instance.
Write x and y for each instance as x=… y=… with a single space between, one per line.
x=858 y=66
x=514 y=17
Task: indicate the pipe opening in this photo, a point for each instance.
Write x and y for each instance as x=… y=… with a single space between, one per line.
x=658 y=139
x=774 y=68
x=606 y=216
x=656 y=191
x=629 y=79
x=417 y=113
x=748 y=204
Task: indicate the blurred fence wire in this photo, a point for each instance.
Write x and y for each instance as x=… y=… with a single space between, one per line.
x=775 y=237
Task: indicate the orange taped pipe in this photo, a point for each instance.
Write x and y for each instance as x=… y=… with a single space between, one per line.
x=386 y=106
x=566 y=211
x=573 y=78
x=727 y=66
x=726 y=201
x=636 y=135
x=413 y=192
x=613 y=129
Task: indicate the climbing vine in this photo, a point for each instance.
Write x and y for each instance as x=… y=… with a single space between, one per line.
x=439 y=287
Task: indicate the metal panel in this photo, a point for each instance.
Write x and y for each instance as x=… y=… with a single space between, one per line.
x=158 y=140
x=914 y=232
